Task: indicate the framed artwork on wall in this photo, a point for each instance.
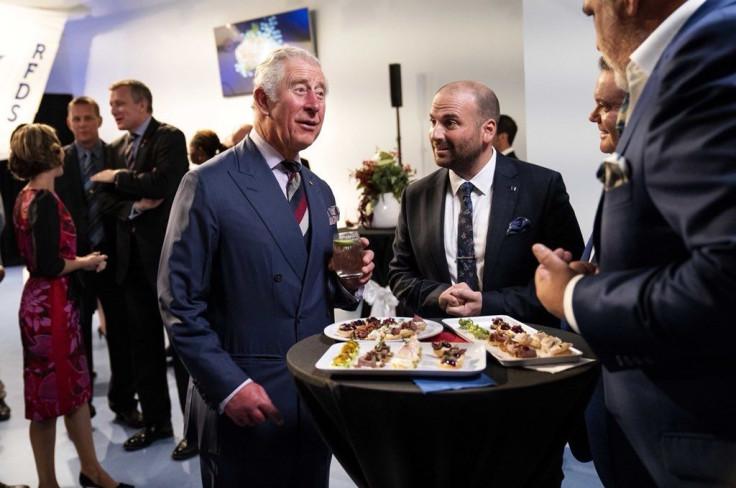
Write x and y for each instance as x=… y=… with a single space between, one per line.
x=241 y=46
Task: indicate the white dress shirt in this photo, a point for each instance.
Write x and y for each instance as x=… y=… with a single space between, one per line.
x=481 y=199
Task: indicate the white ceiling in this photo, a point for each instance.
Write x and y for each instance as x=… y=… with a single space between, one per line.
x=47 y=4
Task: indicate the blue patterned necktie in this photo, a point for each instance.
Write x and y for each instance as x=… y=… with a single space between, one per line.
x=130 y=150
x=295 y=194
x=466 y=268
x=96 y=232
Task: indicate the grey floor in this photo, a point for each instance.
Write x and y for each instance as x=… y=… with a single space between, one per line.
x=151 y=467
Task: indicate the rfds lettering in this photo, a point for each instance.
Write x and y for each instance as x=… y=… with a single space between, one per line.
x=24 y=88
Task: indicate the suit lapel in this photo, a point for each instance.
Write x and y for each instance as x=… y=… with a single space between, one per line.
x=434 y=195
x=142 y=155
x=255 y=179
x=503 y=201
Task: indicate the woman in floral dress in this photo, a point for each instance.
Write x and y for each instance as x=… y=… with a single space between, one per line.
x=57 y=381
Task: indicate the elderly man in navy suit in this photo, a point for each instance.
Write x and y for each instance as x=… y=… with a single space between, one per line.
x=245 y=273
x=659 y=313
x=469 y=253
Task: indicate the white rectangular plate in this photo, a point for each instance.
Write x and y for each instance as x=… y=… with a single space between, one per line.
x=503 y=357
x=475 y=361
x=433 y=328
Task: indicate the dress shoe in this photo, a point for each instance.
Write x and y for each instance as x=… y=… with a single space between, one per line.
x=3 y=485
x=184 y=451
x=4 y=413
x=131 y=418
x=88 y=483
x=148 y=436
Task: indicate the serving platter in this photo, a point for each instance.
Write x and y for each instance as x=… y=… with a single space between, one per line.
x=503 y=357
x=429 y=365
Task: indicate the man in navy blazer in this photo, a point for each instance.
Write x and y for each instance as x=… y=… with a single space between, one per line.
x=659 y=313
x=240 y=282
x=524 y=204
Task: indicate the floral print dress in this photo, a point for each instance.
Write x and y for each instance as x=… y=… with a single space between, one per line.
x=55 y=372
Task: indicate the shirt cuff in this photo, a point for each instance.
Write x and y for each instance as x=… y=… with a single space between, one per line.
x=221 y=407
x=567 y=303
x=134 y=212
x=357 y=294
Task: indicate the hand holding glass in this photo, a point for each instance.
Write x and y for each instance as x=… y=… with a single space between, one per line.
x=347 y=254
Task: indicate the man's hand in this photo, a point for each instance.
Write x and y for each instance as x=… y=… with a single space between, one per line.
x=552 y=276
x=147 y=204
x=352 y=284
x=251 y=406
x=105 y=176
x=463 y=301
x=447 y=299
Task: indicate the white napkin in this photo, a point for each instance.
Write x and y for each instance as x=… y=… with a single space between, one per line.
x=556 y=368
x=382 y=301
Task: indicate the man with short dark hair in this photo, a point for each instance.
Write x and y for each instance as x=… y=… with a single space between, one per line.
x=505 y=135
x=91 y=207
x=257 y=226
x=665 y=236
x=151 y=160
x=463 y=241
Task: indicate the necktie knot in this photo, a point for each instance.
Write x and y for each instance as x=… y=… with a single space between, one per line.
x=290 y=166
x=466 y=189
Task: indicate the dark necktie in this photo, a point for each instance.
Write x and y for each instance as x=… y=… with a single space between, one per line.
x=96 y=232
x=130 y=150
x=466 y=268
x=295 y=194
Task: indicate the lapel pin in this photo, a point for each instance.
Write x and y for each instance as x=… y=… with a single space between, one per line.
x=512 y=188
x=311 y=182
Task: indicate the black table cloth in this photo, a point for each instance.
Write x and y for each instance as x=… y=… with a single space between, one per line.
x=386 y=433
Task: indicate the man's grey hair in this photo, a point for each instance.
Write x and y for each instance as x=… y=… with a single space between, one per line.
x=270 y=72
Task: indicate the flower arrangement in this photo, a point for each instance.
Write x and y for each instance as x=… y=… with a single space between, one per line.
x=381 y=174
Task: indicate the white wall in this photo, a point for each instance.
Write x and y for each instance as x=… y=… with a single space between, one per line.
x=169 y=45
x=561 y=65
x=538 y=55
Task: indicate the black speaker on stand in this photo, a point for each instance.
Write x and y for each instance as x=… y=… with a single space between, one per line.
x=394 y=73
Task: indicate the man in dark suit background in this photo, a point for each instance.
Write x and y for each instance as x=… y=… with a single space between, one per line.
x=263 y=282
x=92 y=209
x=659 y=313
x=505 y=135
x=151 y=160
x=514 y=204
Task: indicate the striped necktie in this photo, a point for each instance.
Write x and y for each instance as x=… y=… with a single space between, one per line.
x=130 y=150
x=466 y=266
x=295 y=194
x=95 y=230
